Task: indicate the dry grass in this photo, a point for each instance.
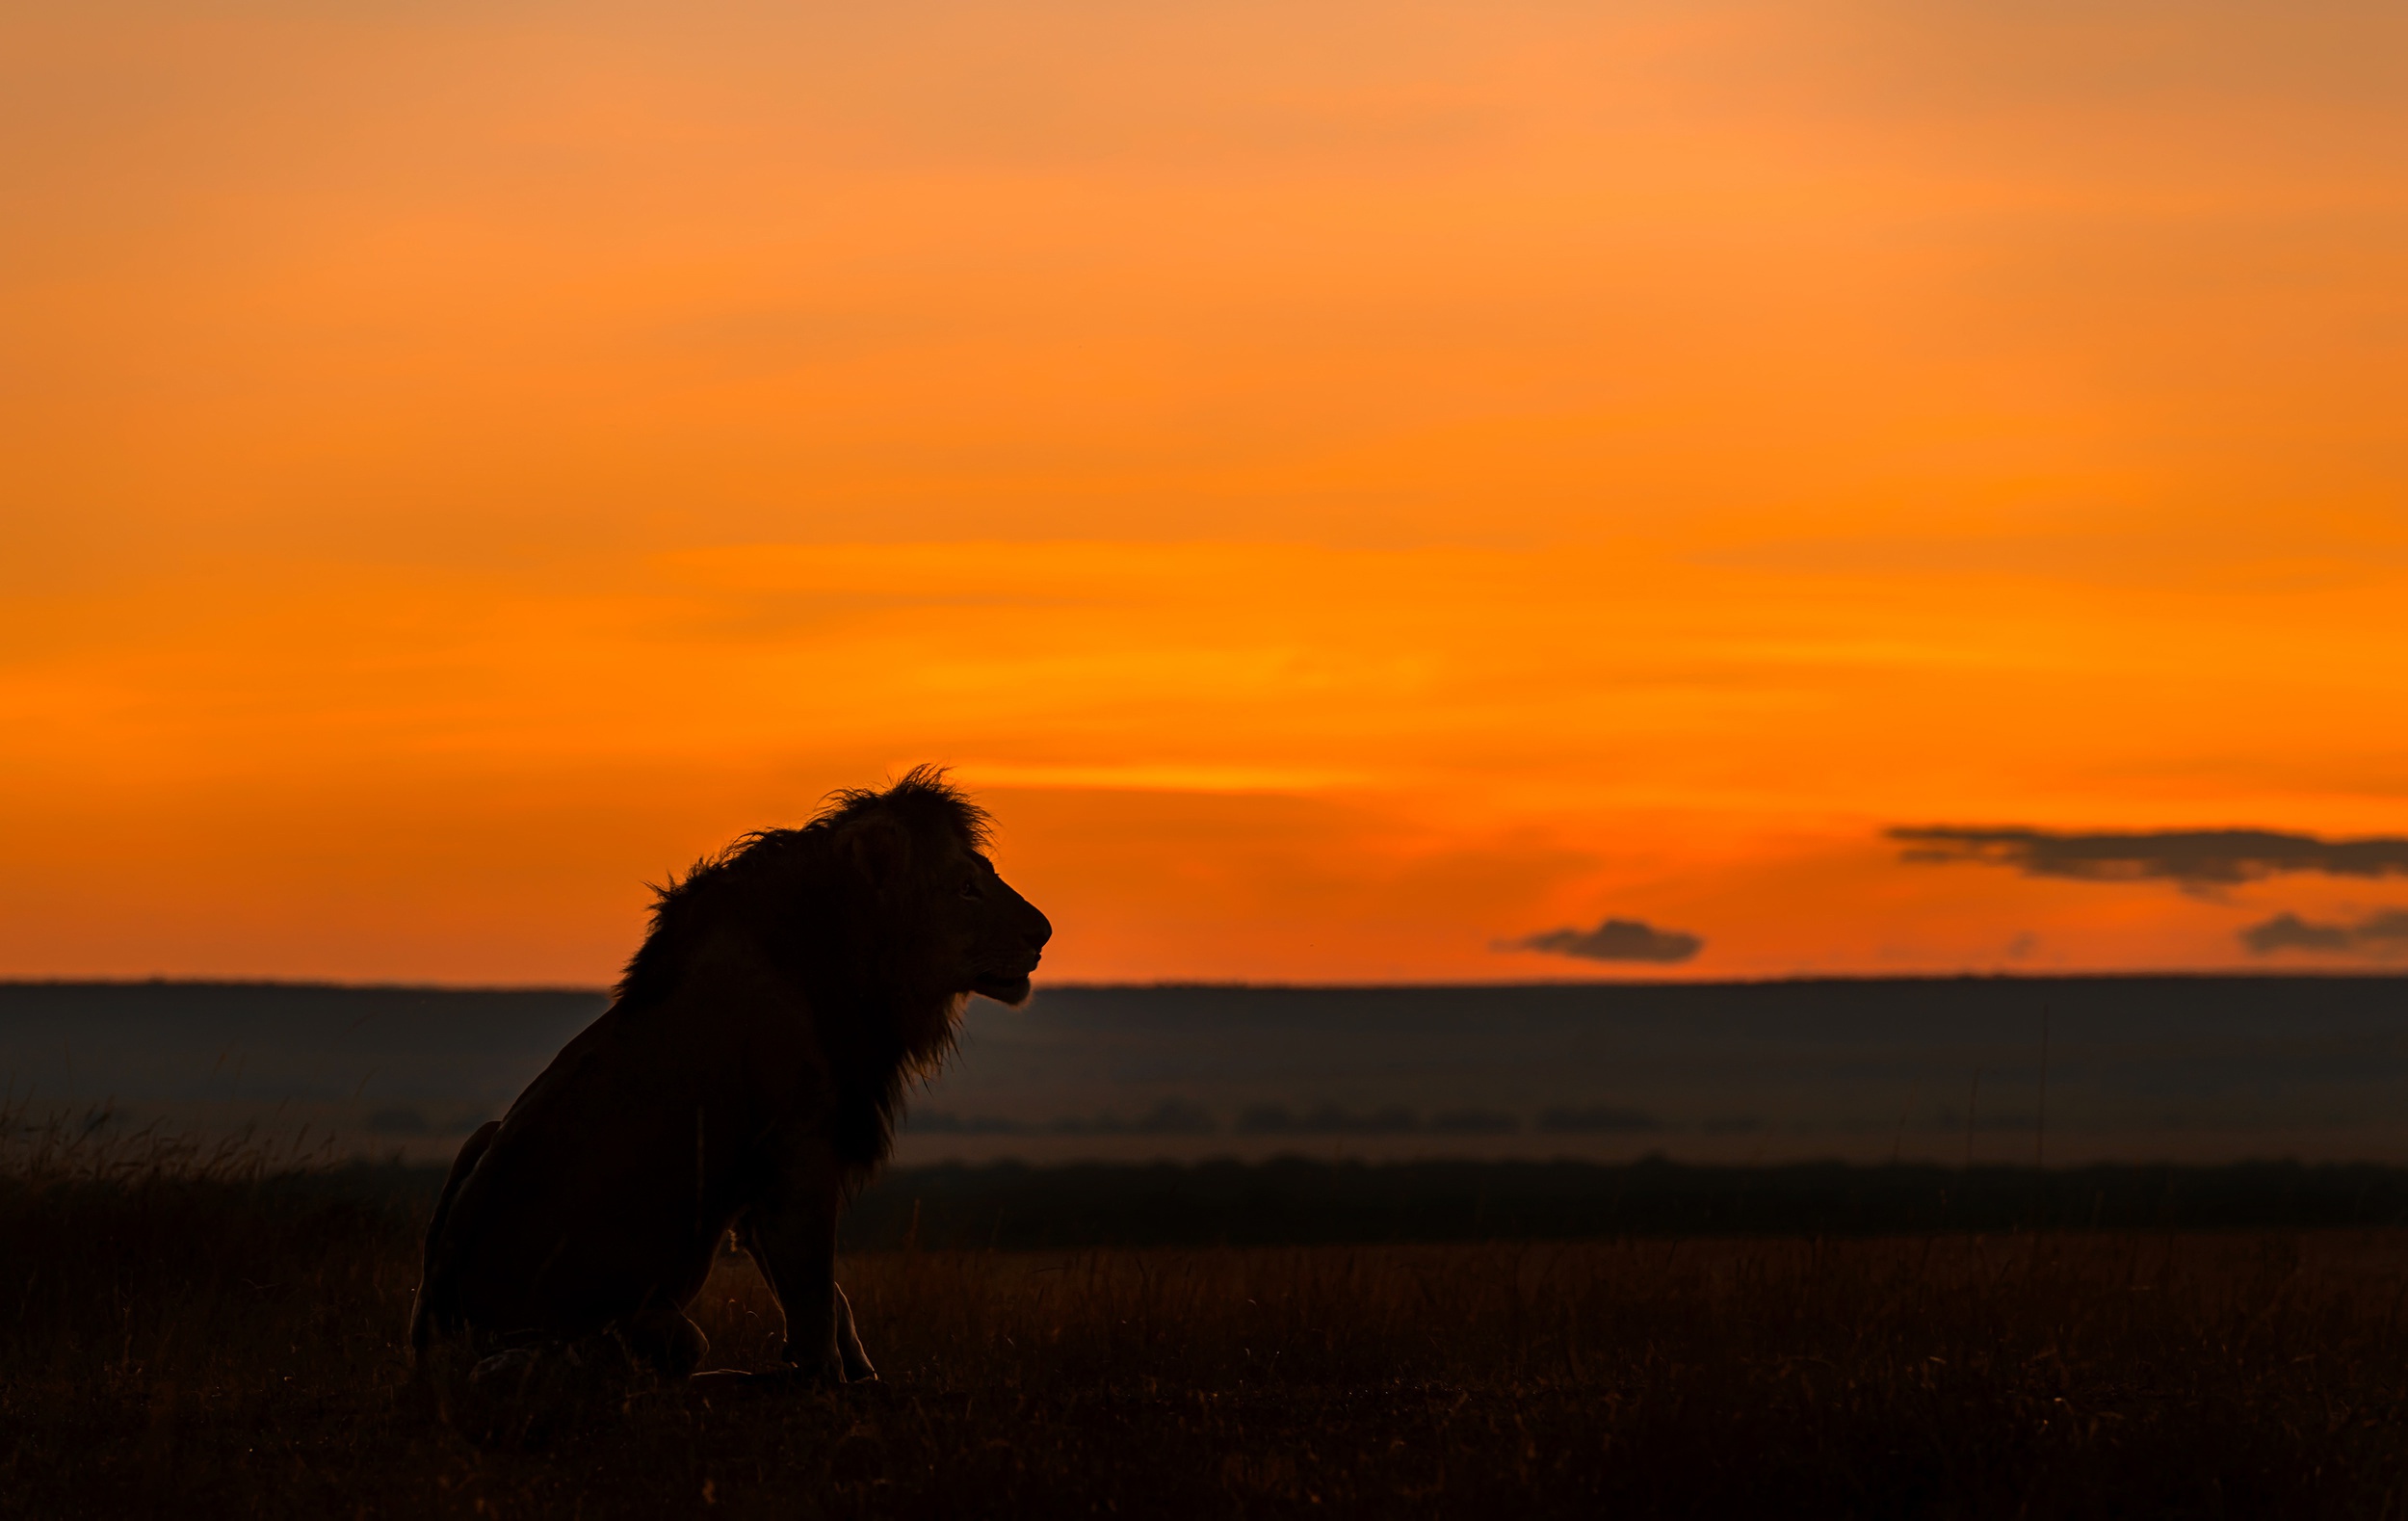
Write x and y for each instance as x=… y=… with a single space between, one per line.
x=198 y=1341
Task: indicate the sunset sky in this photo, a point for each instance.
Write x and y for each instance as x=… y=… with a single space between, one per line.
x=1352 y=487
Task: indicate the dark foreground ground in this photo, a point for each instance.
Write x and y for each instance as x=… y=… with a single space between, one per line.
x=173 y=1345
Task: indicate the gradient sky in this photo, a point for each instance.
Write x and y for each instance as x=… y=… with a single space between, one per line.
x=1351 y=485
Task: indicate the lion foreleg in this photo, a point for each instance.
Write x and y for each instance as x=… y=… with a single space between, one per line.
x=857 y=1369
x=796 y=1247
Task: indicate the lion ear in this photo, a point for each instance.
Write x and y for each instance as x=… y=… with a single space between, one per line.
x=880 y=851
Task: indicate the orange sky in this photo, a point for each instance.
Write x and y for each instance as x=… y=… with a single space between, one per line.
x=1349 y=484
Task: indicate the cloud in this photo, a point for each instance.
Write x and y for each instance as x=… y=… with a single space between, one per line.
x=2195 y=858
x=1615 y=940
x=2383 y=932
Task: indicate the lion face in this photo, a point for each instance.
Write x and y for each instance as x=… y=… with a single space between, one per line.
x=961 y=929
x=990 y=936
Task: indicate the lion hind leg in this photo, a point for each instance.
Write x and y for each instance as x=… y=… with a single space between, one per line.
x=428 y=1309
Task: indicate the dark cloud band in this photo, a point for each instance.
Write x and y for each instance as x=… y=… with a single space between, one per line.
x=2193 y=857
x=2385 y=932
x=1615 y=940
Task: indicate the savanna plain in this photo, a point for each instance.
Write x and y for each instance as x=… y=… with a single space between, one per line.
x=222 y=1335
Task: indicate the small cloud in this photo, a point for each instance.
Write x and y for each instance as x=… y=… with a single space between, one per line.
x=2384 y=932
x=1615 y=940
x=2194 y=859
x=2289 y=932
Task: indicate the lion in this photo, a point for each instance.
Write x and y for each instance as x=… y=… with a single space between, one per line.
x=745 y=1078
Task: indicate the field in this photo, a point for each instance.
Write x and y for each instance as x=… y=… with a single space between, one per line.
x=191 y=1338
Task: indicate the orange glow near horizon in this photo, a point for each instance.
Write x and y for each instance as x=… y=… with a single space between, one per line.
x=1349 y=487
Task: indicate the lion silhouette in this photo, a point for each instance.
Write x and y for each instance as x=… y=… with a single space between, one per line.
x=744 y=1078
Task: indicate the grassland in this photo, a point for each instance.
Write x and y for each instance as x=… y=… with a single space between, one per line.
x=194 y=1339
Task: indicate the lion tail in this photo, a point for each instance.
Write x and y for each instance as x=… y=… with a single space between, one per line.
x=421 y=1319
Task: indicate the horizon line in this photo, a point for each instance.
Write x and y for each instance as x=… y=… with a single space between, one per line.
x=1171 y=984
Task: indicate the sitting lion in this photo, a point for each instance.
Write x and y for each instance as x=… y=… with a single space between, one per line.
x=745 y=1078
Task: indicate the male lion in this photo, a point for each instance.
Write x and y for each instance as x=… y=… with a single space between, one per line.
x=746 y=1077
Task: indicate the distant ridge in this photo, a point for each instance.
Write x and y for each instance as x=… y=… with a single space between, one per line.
x=1294 y=1201
x=2184 y=1067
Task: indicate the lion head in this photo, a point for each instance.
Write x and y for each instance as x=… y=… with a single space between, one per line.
x=885 y=899
x=919 y=850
